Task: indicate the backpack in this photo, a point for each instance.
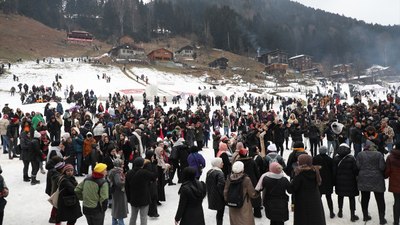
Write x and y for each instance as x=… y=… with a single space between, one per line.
x=235 y=198
x=270 y=159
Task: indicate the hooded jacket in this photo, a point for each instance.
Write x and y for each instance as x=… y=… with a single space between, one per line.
x=345 y=173
x=190 y=210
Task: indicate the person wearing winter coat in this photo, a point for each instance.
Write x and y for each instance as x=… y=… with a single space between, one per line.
x=3 y=194
x=13 y=135
x=272 y=156
x=116 y=177
x=314 y=136
x=77 y=144
x=216 y=139
x=54 y=168
x=308 y=207
x=371 y=165
x=54 y=128
x=87 y=150
x=196 y=161
x=191 y=195
x=244 y=214
x=392 y=171
x=326 y=188
x=215 y=182
x=274 y=186
x=4 y=122
x=251 y=170
x=298 y=149
x=137 y=190
x=68 y=207
x=224 y=153
x=162 y=168
x=345 y=174
x=150 y=164
x=93 y=191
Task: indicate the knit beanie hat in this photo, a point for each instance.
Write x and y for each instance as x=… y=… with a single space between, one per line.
x=243 y=152
x=67 y=167
x=59 y=165
x=237 y=167
x=216 y=162
x=275 y=168
x=323 y=150
x=100 y=167
x=305 y=159
x=272 y=148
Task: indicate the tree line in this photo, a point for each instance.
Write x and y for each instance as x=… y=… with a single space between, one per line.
x=238 y=26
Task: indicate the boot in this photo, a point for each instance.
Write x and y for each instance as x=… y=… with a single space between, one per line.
x=367 y=218
x=340 y=213
x=332 y=214
x=353 y=217
x=34 y=181
x=27 y=179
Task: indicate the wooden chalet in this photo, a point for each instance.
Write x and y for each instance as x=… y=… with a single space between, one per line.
x=127 y=51
x=300 y=63
x=276 y=68
x=277 y=56
x=161 y=54
x=186 y=51
x=221 y=63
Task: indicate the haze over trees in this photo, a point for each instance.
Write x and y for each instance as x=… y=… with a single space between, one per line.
x=242 y=26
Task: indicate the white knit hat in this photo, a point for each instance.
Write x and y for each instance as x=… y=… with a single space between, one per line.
x=216 y=162
x=237 y=167
x=272 y=148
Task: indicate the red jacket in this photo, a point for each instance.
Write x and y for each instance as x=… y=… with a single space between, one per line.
x=392 y=171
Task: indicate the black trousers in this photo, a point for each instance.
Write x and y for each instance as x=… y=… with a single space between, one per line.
x=380 y=201
x=396 y=208
x=352 y=201
x=314 y=146
x=220 y=216
x=279 y=148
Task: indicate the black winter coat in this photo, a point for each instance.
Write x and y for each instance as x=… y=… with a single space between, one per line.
x=215 y=182
x=64 y=212
x=190 y=209
x=137 y=186
x=275 y=199
x=307 y=200
x=326 y=172
x=345 y=173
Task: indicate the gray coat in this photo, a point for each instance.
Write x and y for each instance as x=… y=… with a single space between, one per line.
x=119 y=201
x=371 y=167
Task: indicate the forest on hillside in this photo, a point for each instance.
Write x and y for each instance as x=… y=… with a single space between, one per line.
x=242 y=27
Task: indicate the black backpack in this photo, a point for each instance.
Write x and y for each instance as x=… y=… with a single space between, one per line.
x=235 y=196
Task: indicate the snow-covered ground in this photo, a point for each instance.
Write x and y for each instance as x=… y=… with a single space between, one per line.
x=28 y=204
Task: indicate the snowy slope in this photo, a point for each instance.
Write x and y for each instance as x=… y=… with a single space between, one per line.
x=28 y=204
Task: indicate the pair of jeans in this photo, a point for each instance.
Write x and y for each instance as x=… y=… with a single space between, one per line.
x=79 y=163
x=13 y=147
x=116 y=221
x=143 y=210
x=357 y=149
x=6 y=145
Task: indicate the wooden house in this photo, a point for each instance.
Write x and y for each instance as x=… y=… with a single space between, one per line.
x=276 y=68
x=277 y=56
x=186 y=51
x=127 y=51
x=161 y=54
x=221 y=63
x=300 y=63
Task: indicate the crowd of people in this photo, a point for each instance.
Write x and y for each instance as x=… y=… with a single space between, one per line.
x=128 y=155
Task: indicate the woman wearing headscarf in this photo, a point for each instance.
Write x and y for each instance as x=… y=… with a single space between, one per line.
x=215 y=182
x=244 y=214
x=224 y=153
x=371 y=165
x=307 y=199
x=119 y=208
x=150 y=164
x=69 y=208
x=192 y=193
x=162 y=168
x=345 y=173
x=274 y=186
